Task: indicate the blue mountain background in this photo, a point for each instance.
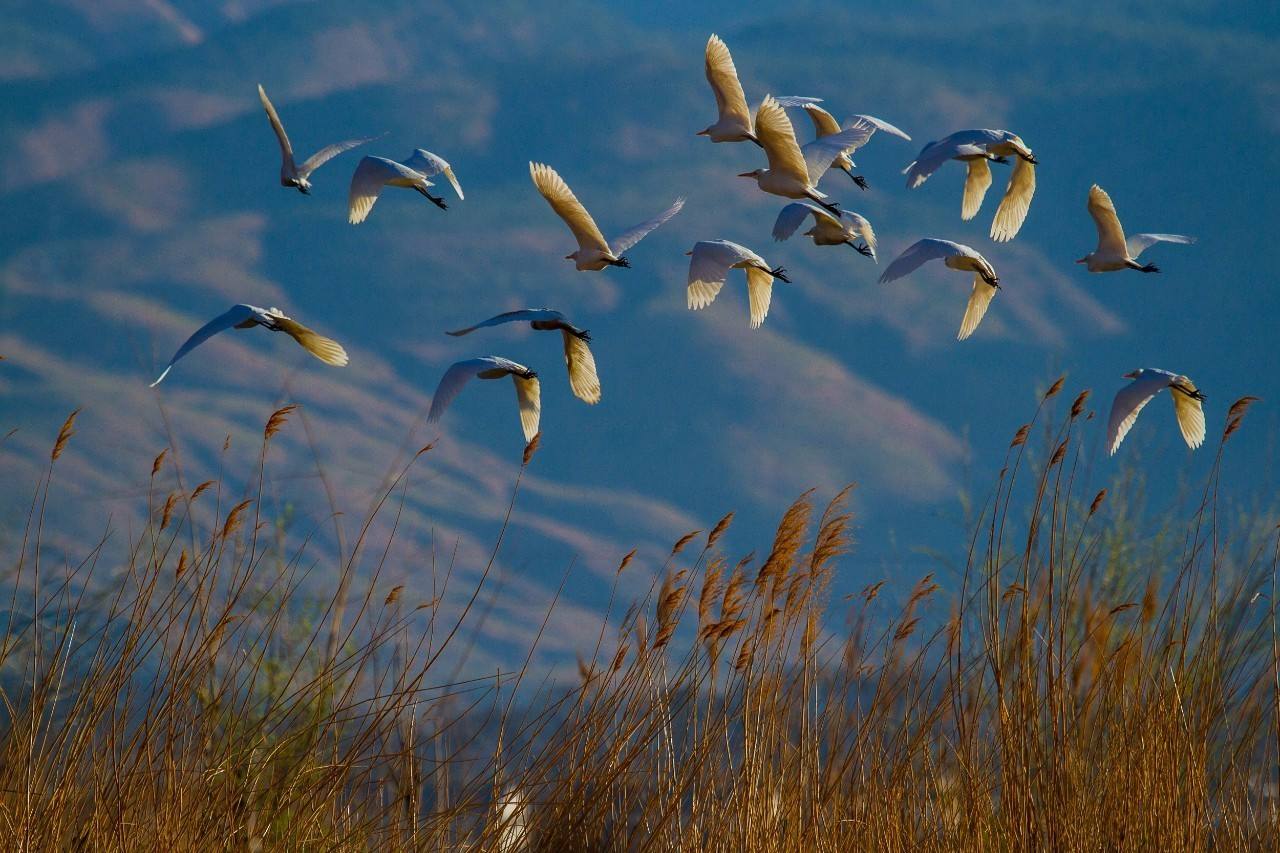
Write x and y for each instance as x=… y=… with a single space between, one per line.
x=140 y=185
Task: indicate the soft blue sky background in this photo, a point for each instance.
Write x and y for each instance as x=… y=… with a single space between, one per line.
x=140 y=180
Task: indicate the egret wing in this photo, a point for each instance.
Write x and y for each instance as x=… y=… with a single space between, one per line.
x=778 y=138
x=1013 y=208
x=524 y=314
x=326 y=349
x=790 y=217
x=708 y=267
x=451 y=384
x=976 y=183
x=759 y=294
x=1129 y=402
x=1139 y=243
x=636 y=233
x=324 y=155
x=723 y=77
x=286 y=150
x=230 y=319
x=529 y=397
x=431 y=165
x=568 y=208
x=1110 y=234
x=821 y=153
x=862 y=227
x=881 y=124
x=824 y=123
x=979 y=301
x=582 y=368
x=917 y=254
x=371 y=175
x=796 y=100
x=1190 y=414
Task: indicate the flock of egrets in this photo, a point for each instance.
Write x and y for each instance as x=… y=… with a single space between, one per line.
x=794 y=172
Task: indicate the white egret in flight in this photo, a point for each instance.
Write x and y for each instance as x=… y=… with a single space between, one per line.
x=374 y=173
x=1146 y=383
x=792 y=173
x=1114 y=252
x=577 y=355
x=976 y=148
x=709 y=266
x=825 y=124
x=829 y=229
x=733 y=122
x=956 y=257
x=291 y=173
x=594 y=252
x=528 y=391
x=248 y=316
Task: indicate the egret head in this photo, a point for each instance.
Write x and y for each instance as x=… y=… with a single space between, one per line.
x=304 y=186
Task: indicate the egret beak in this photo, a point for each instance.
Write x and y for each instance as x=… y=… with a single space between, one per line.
x=568 y=257
x=1083 y=261
x=688 y=253
x=1133 y=374
x=747 y=175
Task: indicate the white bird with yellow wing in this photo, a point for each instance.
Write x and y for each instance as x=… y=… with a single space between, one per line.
x=957 y=257
x=528 y=391
x=578 y=359
x=1147 y=383
x=1114 y=251
x=248 y=316
x=594 y=251
x=709 y=265
x=977 y=149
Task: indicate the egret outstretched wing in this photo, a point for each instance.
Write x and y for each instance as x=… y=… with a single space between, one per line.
x=431 y=165
x=326 y=349
x=790 y=217
x=918 y=254
x=286 y=149
x=1189 y=412
x=979 y=301
x=759 y=294
x=235 y=316
x=778 y=139
x=1139 y=243
x=529 y=398
x=582 y=368
x=1110 y=233
x=1013 y=208
x=527 y=315
x=324 y=155
x=568 y=208
x=636 y=233
x=723 y=77
x=824 y=123
x=976 y=184
x=881 y=124
x=820 y=153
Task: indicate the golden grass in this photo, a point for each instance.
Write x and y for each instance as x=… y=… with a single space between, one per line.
x=1060 y=693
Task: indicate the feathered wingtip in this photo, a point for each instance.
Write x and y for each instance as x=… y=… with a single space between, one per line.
x=531 y=448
